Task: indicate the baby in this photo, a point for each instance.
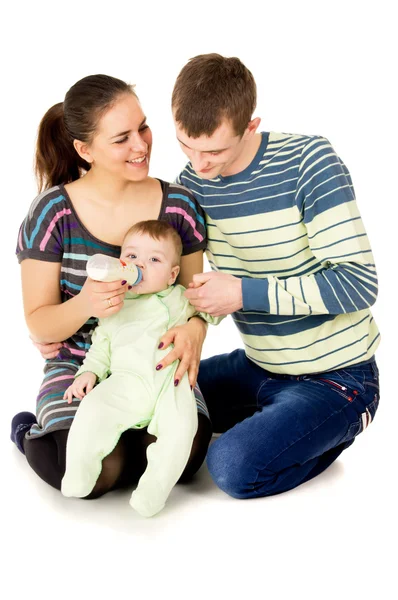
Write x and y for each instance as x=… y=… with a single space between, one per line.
x=132 y=394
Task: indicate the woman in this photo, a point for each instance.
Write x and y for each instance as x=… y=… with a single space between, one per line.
x=92 y=162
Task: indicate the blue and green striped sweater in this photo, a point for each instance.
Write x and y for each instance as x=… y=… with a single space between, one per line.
x=289 y=227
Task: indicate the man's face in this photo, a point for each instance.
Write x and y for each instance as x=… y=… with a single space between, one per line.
x=219 y=154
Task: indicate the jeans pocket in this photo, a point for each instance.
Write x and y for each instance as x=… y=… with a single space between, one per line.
x=353 y=379
x=347 y=390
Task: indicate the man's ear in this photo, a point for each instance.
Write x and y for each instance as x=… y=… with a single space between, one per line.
x=174 y=274
x=252 y=127
x=83 y=150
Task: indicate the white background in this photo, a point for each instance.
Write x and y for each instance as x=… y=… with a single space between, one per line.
x=322 y=68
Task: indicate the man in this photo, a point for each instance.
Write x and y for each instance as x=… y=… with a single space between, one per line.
x=292 y=263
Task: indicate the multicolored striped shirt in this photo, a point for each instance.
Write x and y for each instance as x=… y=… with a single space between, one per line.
x=289 y=227
x=53 y=232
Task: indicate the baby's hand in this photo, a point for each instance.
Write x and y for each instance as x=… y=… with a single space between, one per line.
x=85 y=381
x=194 y=285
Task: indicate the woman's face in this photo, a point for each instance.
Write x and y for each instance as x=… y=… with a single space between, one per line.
x=122 y=143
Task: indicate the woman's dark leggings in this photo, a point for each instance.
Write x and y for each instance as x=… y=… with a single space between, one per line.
x=121 y=468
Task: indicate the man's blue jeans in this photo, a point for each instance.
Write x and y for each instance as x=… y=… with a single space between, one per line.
x=281 y=430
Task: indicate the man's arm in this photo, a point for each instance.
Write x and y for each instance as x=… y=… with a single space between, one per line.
x=345 y=280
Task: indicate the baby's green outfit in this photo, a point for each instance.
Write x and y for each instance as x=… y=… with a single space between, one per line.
x=132 y=394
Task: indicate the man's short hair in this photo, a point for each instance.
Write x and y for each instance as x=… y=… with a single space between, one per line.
x=158 y=230
x=211 y=88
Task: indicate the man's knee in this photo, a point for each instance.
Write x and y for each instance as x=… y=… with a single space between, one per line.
x=238 y=472
x=228 y=467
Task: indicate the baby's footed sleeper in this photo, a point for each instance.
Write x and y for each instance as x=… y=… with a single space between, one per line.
x=132 y=394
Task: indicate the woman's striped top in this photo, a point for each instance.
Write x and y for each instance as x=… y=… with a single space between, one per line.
x=53 y=232
x=289 y=227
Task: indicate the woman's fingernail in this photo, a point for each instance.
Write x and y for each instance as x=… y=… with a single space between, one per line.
x=160 y=345
x=129 y=287
x=159 y=367
x=124 y=281
x=176 y=382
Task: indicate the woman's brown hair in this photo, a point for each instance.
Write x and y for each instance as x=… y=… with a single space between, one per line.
x=76 y=118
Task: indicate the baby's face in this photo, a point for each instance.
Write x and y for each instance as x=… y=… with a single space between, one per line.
x=156 y=259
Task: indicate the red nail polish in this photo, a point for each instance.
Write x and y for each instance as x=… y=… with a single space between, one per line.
x=124 y=282
x=176 y=382
x=159 y=367
x=160 y=345
x=129 y=287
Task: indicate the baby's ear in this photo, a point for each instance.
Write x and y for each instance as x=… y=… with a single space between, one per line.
x=174 y=274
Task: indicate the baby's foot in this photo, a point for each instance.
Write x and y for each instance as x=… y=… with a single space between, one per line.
x=147 y=505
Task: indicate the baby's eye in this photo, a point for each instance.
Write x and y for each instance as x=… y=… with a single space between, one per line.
x=154 y=259
x=132 y=256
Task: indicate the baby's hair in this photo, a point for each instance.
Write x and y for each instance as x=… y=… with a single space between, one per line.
x=158 y=230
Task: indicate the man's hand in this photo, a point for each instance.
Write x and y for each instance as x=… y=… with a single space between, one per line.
x=80 y=387
x=217 y=294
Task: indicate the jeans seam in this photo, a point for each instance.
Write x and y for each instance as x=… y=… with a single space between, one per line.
x=260 y=388
x=299 y=440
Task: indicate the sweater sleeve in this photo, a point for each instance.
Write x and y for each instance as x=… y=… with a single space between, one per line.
x=41 y=233
x=187 y=217
x=346 y=279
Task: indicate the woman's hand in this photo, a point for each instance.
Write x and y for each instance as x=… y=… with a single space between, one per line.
x=80 y=387
x=188 y=341
x=48 y=350
x=101 y=299
x=97 y=299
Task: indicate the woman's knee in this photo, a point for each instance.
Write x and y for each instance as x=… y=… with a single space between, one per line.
x=112 y=467
x=46 y=455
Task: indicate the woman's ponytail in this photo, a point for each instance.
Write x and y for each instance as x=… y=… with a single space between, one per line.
x=56 y=158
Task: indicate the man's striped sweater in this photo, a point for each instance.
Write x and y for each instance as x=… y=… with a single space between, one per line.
x=289 y=227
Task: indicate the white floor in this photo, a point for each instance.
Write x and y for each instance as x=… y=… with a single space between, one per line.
x=334 y=537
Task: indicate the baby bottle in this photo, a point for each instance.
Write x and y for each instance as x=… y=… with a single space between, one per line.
x=106 y=268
